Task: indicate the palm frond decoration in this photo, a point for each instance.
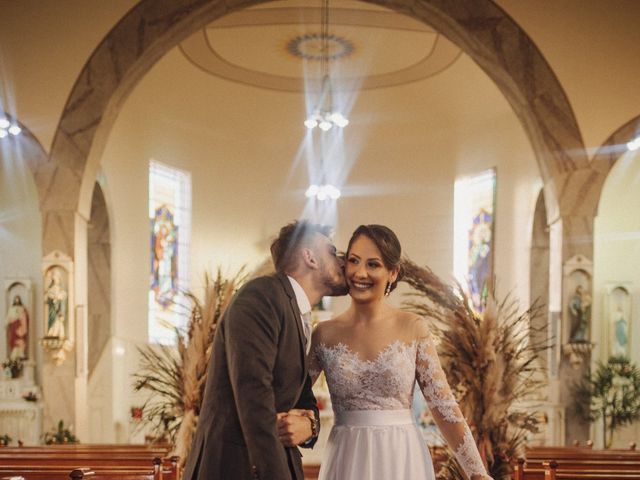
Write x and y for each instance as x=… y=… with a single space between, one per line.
x=175 y=377
x=491 y=364
x=610 y=393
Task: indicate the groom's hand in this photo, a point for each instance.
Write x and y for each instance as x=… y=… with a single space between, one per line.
x=294 y=426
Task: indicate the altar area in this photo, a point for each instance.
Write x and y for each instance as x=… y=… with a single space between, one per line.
x=20 y=410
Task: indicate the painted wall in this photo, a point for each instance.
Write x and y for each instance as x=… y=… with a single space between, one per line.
x=616 y=260
x=20 y=236
x=399 y=168
x=165 y=119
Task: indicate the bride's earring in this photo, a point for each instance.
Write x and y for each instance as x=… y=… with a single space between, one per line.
x=387 y=289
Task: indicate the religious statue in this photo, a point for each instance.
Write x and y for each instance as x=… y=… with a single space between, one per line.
x=17 y=323
x=619 y=337
x=56 y=301
x=580 y=313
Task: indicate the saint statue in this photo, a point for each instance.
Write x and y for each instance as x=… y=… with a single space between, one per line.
x=56 y=299
x=17 y=323
x=619 y=338
x=580 y=314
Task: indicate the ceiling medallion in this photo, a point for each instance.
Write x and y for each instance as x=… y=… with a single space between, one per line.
x=309 y=47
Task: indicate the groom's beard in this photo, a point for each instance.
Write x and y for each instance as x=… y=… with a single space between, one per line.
x=335 y=282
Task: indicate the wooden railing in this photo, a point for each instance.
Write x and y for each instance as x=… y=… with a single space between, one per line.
x=97 y=462
x=548 y=463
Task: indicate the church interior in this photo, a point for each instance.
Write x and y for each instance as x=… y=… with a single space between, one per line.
x=146 y=144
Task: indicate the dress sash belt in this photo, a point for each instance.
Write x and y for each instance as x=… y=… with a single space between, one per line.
x=366 y=418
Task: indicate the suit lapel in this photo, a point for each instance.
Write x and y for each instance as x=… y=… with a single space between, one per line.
x=297 y=317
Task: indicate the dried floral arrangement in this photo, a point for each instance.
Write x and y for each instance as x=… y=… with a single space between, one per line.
x=175 y=377
x=490 y=362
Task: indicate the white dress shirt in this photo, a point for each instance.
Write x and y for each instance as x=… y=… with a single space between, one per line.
x=305 y=309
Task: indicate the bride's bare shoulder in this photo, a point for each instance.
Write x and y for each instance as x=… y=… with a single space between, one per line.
x=416 y=325
x=327 y=330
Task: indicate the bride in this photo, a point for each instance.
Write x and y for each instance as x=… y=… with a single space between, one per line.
x=372 y=354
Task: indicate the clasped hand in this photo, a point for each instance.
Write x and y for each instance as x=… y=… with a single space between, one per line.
x=294 y=426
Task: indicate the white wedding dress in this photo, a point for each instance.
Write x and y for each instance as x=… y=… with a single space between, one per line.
x=375 y=436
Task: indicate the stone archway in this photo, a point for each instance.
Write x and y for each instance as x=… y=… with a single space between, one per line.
x=483 y=30
x=99 y=285
x=539 y=272
x=610 y=151
x=28 y=149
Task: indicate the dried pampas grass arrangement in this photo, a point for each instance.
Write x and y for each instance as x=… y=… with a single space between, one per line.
x=175 y=377
x=491 y=364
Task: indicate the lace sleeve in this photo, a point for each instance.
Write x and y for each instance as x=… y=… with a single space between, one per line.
x=315 y=365
x=445 y=410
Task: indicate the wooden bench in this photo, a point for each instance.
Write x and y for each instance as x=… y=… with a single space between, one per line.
x=169 y=466
x=80 y=473
x=124 y=462
x=55 y=472
x=575 y=459
x=556 y=471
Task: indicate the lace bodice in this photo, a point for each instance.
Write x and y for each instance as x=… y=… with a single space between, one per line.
x=386 y=383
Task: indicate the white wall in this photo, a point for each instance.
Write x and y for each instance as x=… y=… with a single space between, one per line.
x=248 y=176
x=616 y=260
x=20 y=235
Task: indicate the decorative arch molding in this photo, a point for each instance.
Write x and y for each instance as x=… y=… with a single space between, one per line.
x=608 y=154
x=481 y=28
x=99 y=277
x=27 y=148
x=539 y=274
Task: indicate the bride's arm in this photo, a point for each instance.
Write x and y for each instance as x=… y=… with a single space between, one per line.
x=313 y=359
x=444 y=407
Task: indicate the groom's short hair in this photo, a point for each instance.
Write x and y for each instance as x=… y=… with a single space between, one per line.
x=291 y=239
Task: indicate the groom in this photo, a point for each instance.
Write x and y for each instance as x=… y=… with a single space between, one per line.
x=258 y=368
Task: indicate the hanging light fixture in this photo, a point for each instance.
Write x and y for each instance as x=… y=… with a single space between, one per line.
x=323 y=192
x=324 y=116
x=7 y=128
x=634 y=144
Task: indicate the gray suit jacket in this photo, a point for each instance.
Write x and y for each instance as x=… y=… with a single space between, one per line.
x=257 y=368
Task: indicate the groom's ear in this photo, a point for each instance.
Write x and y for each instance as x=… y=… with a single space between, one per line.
x=309 y=258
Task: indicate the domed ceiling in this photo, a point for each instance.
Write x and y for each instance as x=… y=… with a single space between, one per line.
x=279 y=47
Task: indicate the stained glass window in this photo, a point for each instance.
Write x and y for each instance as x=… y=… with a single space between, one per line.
x=170 y=234
x=474 y=218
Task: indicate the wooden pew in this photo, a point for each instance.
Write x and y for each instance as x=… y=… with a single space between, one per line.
x=159 y=450
x=100 y=460
x=169 y=466
x=311 y=472
x=575 y=459
x=53 y=472
x=81 y=473
x=555 y=471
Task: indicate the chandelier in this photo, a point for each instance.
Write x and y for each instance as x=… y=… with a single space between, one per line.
x=7 y=128
x=323 y=192
x=323 y=115
x=634 y=144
